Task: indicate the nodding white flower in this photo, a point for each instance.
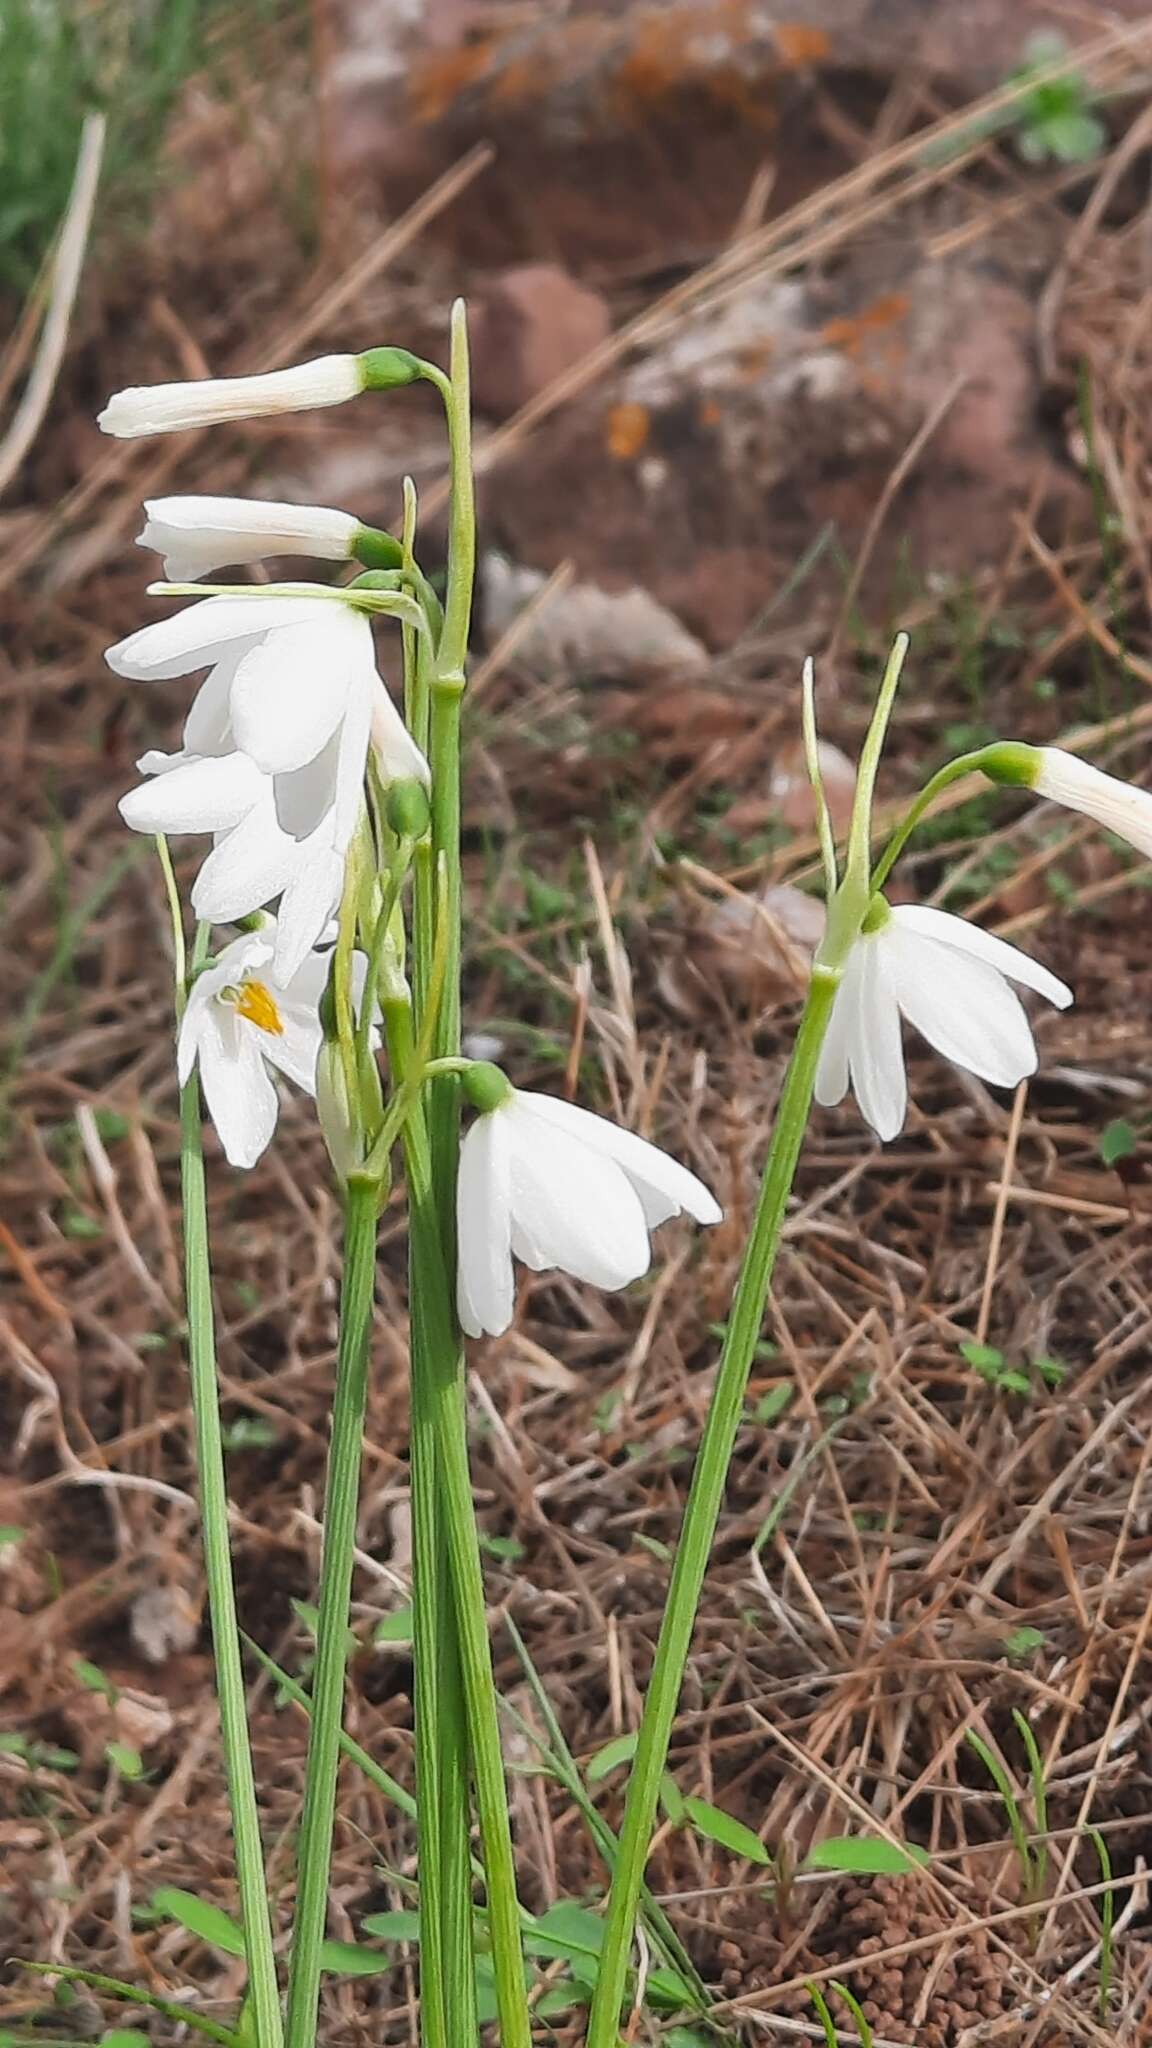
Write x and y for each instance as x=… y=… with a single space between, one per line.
x=274 y=754
x=557 y=1186
x=169 y=408
x=951 y=981
x=1116 y=805
x=197 y=535
x=241 y=1020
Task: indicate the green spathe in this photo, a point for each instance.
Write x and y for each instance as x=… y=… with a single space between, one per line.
x=376 y=549
x=486 y=1087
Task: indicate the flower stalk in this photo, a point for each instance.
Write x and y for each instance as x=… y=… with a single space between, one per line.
x=704 y=1500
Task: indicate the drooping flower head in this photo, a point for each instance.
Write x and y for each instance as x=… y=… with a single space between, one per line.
x=274 y=754
x=556 y=1186
x=211 y=401
x=242 y=1020
x=952 y=982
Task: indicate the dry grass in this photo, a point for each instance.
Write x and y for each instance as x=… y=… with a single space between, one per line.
x=887 y=1533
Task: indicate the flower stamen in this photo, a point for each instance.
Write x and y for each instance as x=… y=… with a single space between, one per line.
x=255 y=1001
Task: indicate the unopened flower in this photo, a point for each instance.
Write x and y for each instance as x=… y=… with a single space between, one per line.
x=241 y=1020
x=274 y=754
x=556 y=1186
x=951 y=981
x=169 y=408
x=198 y=535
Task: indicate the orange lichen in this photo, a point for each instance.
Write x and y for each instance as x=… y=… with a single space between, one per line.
x=852 y=333
x=798 y=44
x=629 y=426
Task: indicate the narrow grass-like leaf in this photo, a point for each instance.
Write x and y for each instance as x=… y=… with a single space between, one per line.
x=619 y=1751
x=866 y=1856
x=1007 y=1791
x=1039 y=1799
x=719 y=1826
x=855 y=2008
x=1107 y=1920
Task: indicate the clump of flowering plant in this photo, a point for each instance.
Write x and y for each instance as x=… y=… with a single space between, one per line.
x=332 y=804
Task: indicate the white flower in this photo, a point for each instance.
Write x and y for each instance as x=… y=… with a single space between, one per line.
x=558 y=1186
x=949 y=980
x=242 y=1019
x=274 y=754
x=198 y=535
x=1116 y=805
x=167 y=408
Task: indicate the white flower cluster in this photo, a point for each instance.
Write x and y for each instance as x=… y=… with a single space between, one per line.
x=273 y=764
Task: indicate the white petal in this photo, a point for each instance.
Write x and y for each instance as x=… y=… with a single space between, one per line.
x=154 y=762
x=192 y=638
x=291 y=691
x=832 y=1069
x=208 y=726
x=241 y=1097
x=1116 y=805
x=962 y=1006
x=574 y=1205
x=197 y=535
x=251 y=950
x=209 y=795
x=296 y=1049
x=876 y=1055
x=485 y=1286
x=311 y=894
x=166 y=408
x=399 y=757
x=306 y=795
x=980 y=945
x=663 y=1185
x=246 y=869
x=352 y=763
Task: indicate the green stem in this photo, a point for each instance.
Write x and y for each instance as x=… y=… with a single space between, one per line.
x=442 y=1362
x=341 y=1496
x=253 y=1888
x=703 y=1509
x=953 y=771
x=447 y=1972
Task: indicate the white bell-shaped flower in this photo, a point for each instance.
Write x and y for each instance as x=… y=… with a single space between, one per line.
x=170 y=408
x=274 y=754
x=196 y=535
x=241 y=1020
x=556 y=1186
x=951 y=981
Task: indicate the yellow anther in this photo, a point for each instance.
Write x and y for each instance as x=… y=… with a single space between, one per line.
x=256 y=1002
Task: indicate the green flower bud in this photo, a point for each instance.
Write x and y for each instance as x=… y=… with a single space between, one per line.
x=486 y=1087
x=406 y=808
x=338 y=1120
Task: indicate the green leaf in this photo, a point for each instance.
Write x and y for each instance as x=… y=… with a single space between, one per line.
x=655 y=1547
x=506 y=1548
x=207 y=1922
x=1074 y=137
x=348 y=1959
x=124 y=1759
x=731 y=1834
x=1118 y=1140
x=620 y=1751
x=395 y=1628
x=984 y=1358
x=1020 y=1642
x=672 y=1800
x=773 y=1403
x=309 y=1618
x=124 y=2037
x=687 y=2037
x=92 y=1676
x=10 y=1533
x=566 y=1933
x=865 y=1856
x=398 y=1926
x=560 y=1999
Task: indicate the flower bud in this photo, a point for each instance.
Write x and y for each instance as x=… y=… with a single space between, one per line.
x=376 y=549
x=338 y=1119
x=406 y=809
x=209 y=401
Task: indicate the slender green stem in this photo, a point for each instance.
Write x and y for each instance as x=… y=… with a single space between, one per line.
x=435 y=1328
x=812 y=758
x=703 y=1508
x=341 y=1495
x=953 y=771
x=447 y=1976
x=253 y=1889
